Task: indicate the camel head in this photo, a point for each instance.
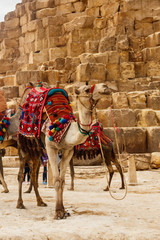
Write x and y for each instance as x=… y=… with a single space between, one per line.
x=89 y=95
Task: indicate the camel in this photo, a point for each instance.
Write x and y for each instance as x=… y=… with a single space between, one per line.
x=110 y=157
x=77 y=133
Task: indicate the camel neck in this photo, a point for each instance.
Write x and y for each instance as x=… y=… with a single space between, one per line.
x=85 y=117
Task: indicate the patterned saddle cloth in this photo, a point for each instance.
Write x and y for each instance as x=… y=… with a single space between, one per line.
x=91 y=147
x=4 y=122
x=52 y=104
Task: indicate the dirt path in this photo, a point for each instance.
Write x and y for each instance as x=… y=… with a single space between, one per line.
x=94 y=214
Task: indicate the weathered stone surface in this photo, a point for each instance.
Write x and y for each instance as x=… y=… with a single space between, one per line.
x=13 y=23
x=146 y=118
x=120 y=100
x=155 y=160
x=153 y=136
x=137 y=100
x=142 y=161
x=127 y=70
x=23 y=77
x=45 y=12
x=153 y=102
x=91 y=46
x=38 y=57
x=9 y=80
x=86 y=72
x=107 y=44
x=79 y=22
x=58 y=52
x=65 y=9
x=11 y=92
x=113 y=71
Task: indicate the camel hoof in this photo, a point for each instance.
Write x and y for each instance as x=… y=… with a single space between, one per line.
x=106 y=189
x=20 y=206
x=61 y=215
x=5 y=191
x=42 y=204
x=71 y=189
x=122 y=188
x=28 y=191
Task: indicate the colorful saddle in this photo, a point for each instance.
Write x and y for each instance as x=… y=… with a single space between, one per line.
x=44 y=103
x=4 y=122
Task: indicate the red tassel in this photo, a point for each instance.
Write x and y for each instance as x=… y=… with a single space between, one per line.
x=92 y=88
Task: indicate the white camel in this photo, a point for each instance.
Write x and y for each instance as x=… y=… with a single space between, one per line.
x=76 y=134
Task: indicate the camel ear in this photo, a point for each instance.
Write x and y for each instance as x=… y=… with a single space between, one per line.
x=76 y=91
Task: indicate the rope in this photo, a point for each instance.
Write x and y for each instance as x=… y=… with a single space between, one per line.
x=104 y=163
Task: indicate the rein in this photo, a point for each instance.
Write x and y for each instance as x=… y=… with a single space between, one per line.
x=92 y=106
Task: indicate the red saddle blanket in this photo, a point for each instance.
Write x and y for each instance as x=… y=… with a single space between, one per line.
x=55 y=103
x=91 y=146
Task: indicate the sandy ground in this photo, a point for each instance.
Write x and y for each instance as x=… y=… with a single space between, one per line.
x=94 y=214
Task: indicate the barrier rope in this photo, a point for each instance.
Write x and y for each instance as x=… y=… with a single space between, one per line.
x=104 y=163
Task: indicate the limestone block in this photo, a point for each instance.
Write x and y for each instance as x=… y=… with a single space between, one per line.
x=11 y=24
x=93 y=11
x=11 y=92
x=79 y=6
x=60 y=2
x=54 y=20
x=13 y=104
x=137 y=100
x=109 y=9
x=151 y=54
x=142 y=161
x=56 y=42
x=86 y=72
x=9 y=43
x=146 y=118
x=16 y=33
x=135 y=140
x=40 y=4
x=23 y=20
x=5 y=65
x=65 y=9
x=87 y=58
x=39 y=57
x=79 y=22
x=153 y=68
x=140 y=69
x=96 y=3
x=113 y=71
x=53 y=76
x=156 y=26
x=91 y=46
x=127 y=70
x=53 y=31
x=104 y=102
x=155 y=160
x=23 y=77
x=107 y=44
x=113 y=57
x=34 y=25
x=1 y=82
x=58 y=52
x=116 y=117
x=119 y=100
x=10 y=15
x=74 y=49
x=153 y=136
x=59 y=63
x=45 y=12
x=153 y=102
x=39 y=44
x=101 y=57
x=71 y=63
x=9 y=80
x=124 y=56
x=29 y=37
x=20 y=10
x=100 y=23
x=12 y=161
x=29 y=47
x=122 y=42
x=153 y=40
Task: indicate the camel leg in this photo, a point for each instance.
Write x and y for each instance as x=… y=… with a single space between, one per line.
x=72 y=174
x=20 y=181
x=2 y=177
x=3 y=184
x=34 y=168
x=58 y=178
x=30 y=186
x=111 y=172
x=119 y=168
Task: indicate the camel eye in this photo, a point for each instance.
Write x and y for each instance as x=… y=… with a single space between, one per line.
x=87 y=90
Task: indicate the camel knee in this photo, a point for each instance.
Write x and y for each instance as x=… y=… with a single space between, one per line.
x=59 y=183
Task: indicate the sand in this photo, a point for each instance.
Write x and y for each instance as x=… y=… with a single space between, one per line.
x=95 y=215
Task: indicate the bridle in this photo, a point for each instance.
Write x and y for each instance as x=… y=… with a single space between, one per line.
x=90 y=108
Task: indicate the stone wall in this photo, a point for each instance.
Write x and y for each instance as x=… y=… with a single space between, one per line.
x=73 y=41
